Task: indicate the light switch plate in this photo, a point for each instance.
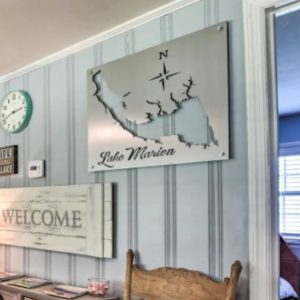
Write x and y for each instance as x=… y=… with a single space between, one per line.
x=36 y=169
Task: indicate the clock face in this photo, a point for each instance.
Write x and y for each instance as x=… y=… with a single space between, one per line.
x=15 y=111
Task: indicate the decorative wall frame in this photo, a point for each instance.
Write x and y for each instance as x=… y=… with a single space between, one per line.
x=8 y=160
x=129 y=100
x=75 y=218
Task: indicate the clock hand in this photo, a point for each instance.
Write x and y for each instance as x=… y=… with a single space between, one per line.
x=13 y=112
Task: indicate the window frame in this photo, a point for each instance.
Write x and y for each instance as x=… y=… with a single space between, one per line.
x=288 y=149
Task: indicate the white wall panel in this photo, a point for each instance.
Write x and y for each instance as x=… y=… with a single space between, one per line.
x=148 y=35
x=3 y=90
x=17 y=258
x=183 y=215
x=113 y=48
x=57 y=267
x=36 y=262
x=151 y=235
x=82 y=61
x=58 y=130
x=234 y=179
x=115 y=267
x=192 y=216
x=20 y=140
x=189 y=19
x=37 y=126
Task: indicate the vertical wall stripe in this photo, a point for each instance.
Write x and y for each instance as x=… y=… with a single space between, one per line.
x=220 y=218
x=173 y=178
x=216 y=11
x=7 y=184
x=71 y=144
x=211 y=219
x=26 y=138
x=95 y=63
x=99 y=176
x=215 y=190
x=219 y=188
x=72 y=271
x=71 y=120
x=6 y=90
x=211 y=190
x=47 y=132
x=215 y=207
x=206 y=12
x=26 y=261
x=129 y=209
x=211 y=8
x=7 y=258
x=135 y=177
x=135 y=209
x=7 y=139
x=132 y=174
x=98 y=60
x=163 y=32
x=26 y=158
x=47 y=123
x=170 y=189
x=48 y=265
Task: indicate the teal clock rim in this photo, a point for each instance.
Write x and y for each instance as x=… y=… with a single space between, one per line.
x=28 y=111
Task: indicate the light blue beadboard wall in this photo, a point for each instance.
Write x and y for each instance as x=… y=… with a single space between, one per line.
x=190 y=215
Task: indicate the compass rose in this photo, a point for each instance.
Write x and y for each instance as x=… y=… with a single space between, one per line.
x=163 y=76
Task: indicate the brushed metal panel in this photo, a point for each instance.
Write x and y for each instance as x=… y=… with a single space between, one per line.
x=177 y=77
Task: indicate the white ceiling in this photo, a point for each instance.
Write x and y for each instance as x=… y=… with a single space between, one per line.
x=33 y=29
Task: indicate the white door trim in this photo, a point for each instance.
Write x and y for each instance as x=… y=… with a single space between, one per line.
x=262 y=154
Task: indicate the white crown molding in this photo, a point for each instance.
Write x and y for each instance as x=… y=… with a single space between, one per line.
x=140 y=20
x=262 y=155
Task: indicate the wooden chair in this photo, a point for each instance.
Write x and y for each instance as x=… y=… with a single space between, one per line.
x=175 y=283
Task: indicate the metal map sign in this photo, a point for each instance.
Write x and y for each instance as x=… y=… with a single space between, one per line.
x=165 y=105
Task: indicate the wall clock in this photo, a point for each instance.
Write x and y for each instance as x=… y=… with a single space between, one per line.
x=15 y=111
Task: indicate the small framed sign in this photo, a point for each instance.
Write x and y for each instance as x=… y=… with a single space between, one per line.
x=8 y=160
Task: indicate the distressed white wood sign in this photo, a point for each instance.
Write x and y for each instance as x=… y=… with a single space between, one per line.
x=136 y=103
x=75 y=218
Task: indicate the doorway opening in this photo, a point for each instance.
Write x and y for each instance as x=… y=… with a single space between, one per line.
x=287 y=54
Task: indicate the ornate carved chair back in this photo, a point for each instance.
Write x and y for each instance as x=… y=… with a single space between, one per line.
x=175 y=283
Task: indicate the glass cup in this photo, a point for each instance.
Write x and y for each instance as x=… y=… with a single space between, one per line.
x=98 y=286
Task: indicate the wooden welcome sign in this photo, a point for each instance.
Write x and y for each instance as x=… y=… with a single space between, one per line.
x=75 y=219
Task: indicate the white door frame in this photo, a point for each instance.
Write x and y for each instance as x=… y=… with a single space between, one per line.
x=262 y=152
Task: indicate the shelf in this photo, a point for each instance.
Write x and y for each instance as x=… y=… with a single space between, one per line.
x=39 y=294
